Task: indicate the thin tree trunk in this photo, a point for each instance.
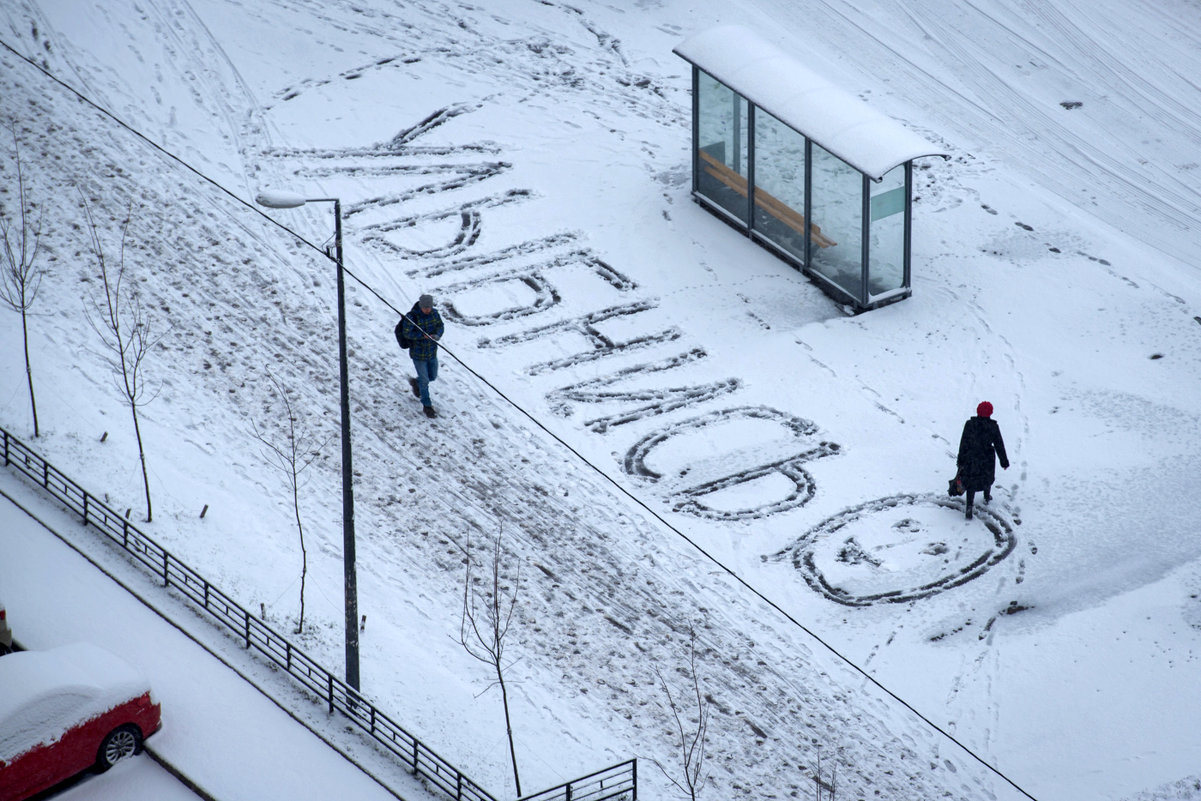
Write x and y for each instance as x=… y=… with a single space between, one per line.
x=292 y=458
x=504 y=695
x=29 y=372
x=304 y=556
x=137 y=430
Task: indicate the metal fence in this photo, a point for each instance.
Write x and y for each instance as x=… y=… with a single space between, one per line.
x=258 y=636
x=616 y=783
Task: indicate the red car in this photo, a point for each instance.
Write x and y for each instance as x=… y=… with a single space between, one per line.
x=65 y=710
x=6 y=634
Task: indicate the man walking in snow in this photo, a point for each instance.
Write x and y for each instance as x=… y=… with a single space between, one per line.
x=979 y=448
x=422 y=327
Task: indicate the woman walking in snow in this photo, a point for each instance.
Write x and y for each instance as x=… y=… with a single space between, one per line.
x=979 y=448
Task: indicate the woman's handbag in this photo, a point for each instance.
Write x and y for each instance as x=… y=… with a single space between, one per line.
x=955 y=487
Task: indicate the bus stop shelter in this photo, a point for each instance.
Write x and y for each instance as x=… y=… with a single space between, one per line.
x=804 y=168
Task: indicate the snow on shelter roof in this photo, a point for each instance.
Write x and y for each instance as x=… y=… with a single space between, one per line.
x=779 y=84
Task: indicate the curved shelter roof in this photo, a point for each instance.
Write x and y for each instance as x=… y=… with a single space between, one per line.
x=788 y=90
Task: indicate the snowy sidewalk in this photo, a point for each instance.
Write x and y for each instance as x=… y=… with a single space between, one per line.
x=221 y=732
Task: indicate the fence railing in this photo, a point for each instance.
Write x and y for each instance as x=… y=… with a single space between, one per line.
x=258 y=636
x=616 y=783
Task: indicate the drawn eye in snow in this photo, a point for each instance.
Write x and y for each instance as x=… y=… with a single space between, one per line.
x=899 y=549
x=732 y=464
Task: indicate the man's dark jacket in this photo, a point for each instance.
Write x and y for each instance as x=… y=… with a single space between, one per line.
x=979 y=448
x=415 y=327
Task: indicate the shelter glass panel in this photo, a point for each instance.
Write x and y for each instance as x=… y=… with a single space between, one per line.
x=886 y=245
x=779 y=184
x=836 y=207
x=723 y=146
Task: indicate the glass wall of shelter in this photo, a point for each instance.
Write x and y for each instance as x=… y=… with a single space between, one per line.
x=850 y=233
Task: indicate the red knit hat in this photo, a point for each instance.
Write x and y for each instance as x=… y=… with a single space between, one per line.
x=984 y=409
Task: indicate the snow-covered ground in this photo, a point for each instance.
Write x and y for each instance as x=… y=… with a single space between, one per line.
x=527 y=162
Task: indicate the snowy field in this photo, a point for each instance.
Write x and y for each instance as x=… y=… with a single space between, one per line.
x=670 y=429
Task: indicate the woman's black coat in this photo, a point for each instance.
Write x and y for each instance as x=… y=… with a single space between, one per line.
x=977 y=464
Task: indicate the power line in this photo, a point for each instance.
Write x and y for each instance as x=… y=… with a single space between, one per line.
x=499 y=393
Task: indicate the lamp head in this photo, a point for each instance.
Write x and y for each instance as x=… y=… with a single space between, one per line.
x=279 y=200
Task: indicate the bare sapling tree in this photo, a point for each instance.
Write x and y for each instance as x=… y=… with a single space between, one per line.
x=825 y=787
x=691 y=733
x=291 y=450
x=484 y=628
x=123 y=324
x=21 y=236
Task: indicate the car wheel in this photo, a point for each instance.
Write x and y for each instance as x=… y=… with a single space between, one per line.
x=121 y=742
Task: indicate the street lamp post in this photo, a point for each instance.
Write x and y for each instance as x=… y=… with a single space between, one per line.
x=289 y=200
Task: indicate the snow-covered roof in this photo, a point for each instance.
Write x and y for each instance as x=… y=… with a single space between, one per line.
x=44 y=692
x=785 y=88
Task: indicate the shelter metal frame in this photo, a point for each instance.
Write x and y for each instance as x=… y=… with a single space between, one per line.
x=866 y=262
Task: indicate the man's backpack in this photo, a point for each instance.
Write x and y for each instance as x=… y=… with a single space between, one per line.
x=401 y=340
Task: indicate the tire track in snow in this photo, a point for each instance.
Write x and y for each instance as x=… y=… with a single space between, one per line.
x=198 y=53
x=1160 y=107
x=1038 y=131
x=50 y=48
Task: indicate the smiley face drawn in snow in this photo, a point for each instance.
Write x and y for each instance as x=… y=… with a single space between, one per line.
x=899 y=549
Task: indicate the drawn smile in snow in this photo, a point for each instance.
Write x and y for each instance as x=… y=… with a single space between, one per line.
x=898 y=549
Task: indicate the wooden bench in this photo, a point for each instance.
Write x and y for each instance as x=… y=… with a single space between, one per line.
x=769 y=203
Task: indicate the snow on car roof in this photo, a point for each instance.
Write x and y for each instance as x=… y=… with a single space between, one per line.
x=43 y=693
x=781 y=85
